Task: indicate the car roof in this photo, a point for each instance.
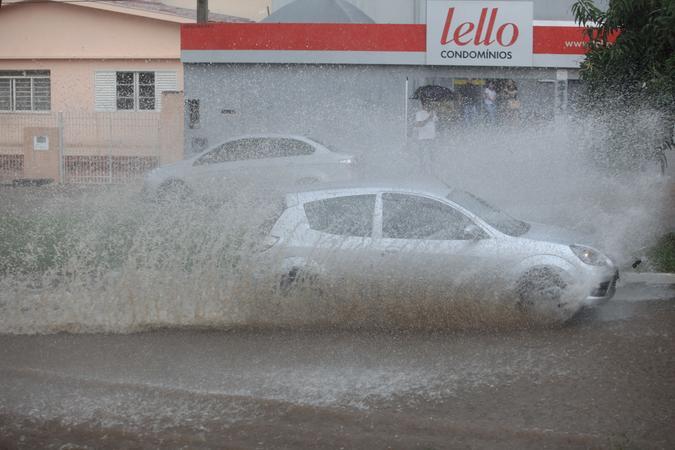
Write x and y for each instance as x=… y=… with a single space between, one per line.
x=261 y=135
x=429 y=186
x=267 y=135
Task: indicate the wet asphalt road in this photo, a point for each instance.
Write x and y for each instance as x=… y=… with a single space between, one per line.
x=607 y=380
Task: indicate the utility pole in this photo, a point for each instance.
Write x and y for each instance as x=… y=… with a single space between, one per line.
x=202 y=11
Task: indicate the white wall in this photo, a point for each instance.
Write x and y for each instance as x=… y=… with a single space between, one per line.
x=356 y=107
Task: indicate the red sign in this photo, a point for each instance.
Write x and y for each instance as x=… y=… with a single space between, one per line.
x=561 y=40
x=304 y=36
x=483 y=34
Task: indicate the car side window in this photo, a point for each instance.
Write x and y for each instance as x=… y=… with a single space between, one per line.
x=343 y=216
x=412 y=217
x=284 y=147
x=239 y=150
x=243 y=149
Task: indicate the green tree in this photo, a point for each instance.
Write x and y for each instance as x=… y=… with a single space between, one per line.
x=629 y=74
x=640 y=65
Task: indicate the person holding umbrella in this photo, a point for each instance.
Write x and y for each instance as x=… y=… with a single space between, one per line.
x=425 y=121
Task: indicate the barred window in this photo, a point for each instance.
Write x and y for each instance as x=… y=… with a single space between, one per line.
x=135 y=91
x=25 y=90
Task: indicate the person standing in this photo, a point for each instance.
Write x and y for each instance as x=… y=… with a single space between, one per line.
x=470 y=100
x=512 y=109
x=490 y=101
x=425 y=133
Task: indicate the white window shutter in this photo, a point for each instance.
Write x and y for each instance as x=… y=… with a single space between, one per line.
x=164 y=81
x=105 y=91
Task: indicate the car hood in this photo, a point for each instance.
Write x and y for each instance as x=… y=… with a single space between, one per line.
x=558 y=235
x=175 y=167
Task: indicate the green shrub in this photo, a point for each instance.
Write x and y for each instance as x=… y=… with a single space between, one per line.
x=662 y=254
x=96 y=240
x=39 y=243
x=34 y=244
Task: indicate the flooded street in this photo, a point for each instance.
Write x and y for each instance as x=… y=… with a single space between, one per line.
x=126 y=323
x=603 y=381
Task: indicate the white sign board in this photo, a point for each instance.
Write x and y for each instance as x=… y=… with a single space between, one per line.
x=40 y=143
x=476 y=33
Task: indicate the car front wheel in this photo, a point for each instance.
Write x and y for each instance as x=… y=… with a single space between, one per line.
x=541 y=289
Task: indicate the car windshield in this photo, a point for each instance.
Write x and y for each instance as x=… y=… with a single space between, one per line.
x=493 y=216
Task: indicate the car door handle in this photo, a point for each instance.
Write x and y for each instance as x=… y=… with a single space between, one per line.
x=390 y=251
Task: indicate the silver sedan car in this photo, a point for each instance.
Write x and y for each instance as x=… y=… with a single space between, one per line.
x=267 y=160
x=431 y=236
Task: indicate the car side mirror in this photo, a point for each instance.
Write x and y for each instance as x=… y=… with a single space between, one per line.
x=473 y=232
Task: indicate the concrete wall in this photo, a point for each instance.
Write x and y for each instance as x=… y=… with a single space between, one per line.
x=82 y=143
x=171 y=135
x=41 y=163
x=353 y=107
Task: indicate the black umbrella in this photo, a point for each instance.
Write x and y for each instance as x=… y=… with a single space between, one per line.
x=433 y=93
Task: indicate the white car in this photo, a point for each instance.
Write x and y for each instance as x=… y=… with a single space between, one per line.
x=421 y=236
x=268 y=160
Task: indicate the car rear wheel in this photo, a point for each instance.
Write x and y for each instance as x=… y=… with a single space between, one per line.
x=540 y=289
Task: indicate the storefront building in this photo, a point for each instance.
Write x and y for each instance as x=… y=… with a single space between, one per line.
x=358 y=85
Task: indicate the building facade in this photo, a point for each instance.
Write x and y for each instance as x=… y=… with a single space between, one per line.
x=95 y=82
x=355 y=85
x=68 y=47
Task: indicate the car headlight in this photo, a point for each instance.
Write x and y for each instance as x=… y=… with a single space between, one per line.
x=589 y=256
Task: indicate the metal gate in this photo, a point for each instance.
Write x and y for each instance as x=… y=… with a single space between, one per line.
x=86 y=147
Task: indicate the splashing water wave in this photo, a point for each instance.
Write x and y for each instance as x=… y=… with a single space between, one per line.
x=106 y=260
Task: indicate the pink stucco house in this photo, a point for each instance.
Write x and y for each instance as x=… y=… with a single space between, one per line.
x=113 y=72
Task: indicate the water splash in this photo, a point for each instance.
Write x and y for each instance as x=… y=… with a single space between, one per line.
x=105 y=259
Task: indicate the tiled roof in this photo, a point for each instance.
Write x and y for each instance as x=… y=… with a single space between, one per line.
x=154 y=7
x=158 y=7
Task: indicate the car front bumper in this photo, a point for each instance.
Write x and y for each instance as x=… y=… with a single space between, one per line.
x=603 y=291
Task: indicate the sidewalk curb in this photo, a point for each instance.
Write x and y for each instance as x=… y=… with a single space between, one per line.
x=648 y=278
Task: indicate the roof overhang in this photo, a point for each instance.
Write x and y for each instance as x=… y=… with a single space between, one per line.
x=116 y=8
